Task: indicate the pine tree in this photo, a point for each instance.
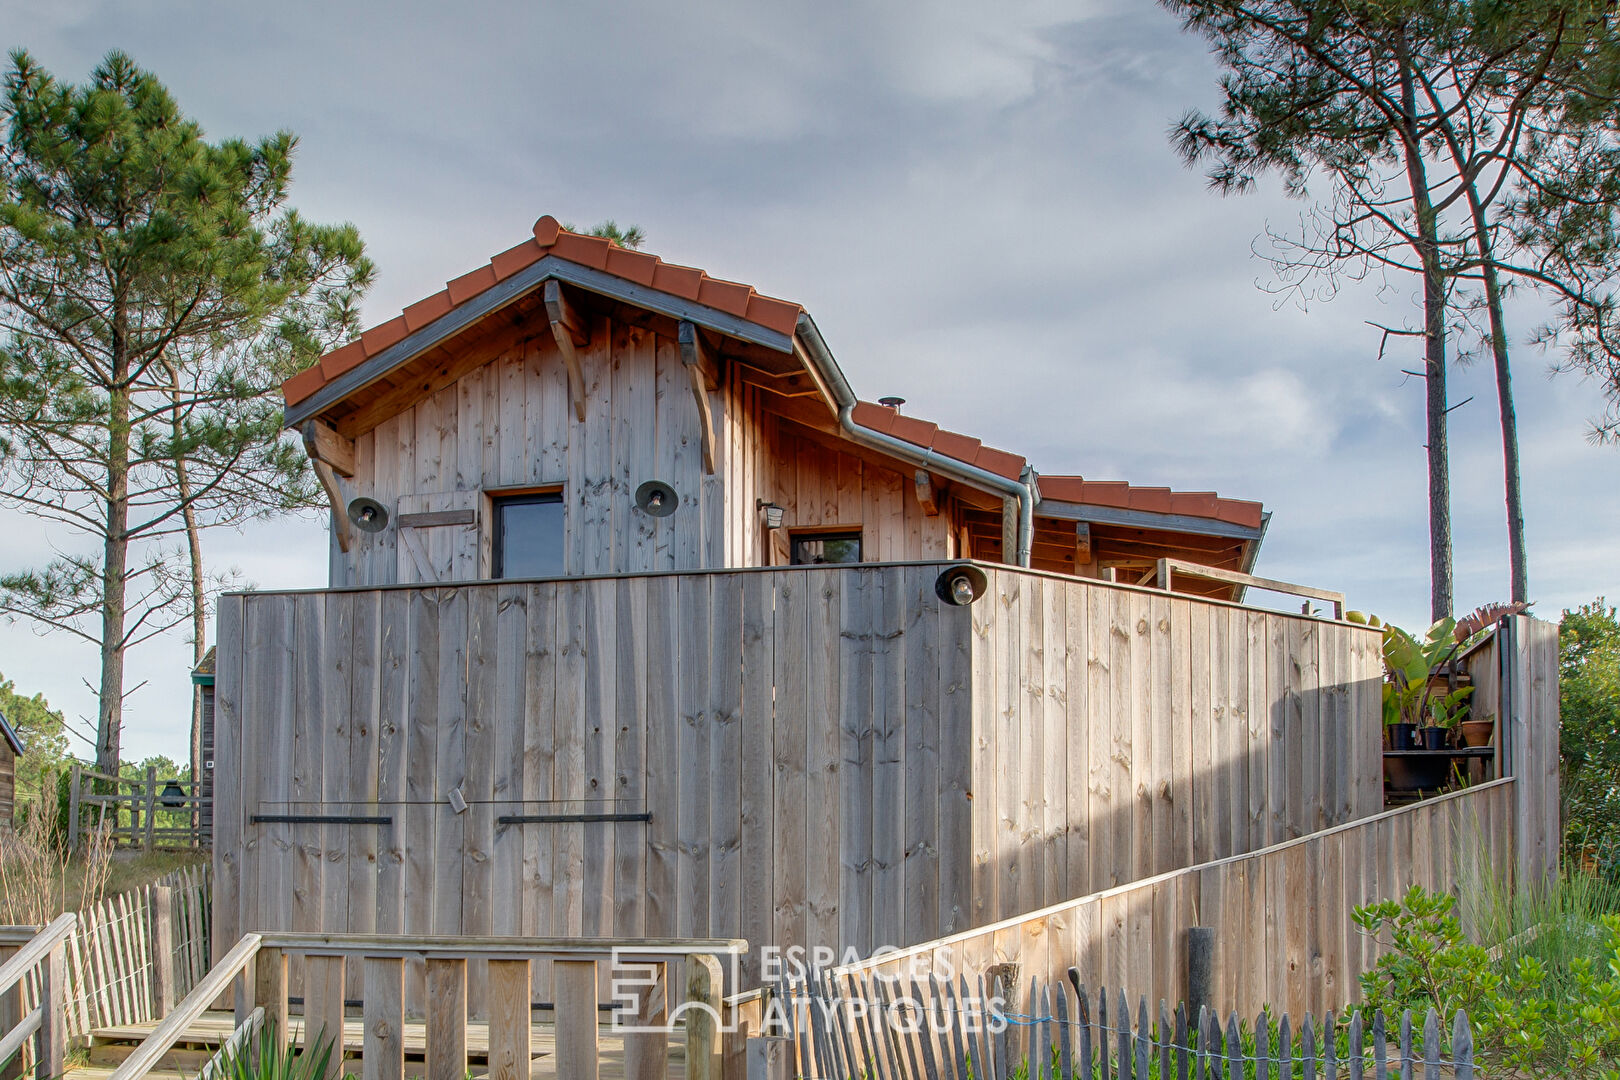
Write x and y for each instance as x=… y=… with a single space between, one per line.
x=154 y=288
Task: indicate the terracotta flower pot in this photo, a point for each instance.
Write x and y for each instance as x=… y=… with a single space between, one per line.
x=1478 y=732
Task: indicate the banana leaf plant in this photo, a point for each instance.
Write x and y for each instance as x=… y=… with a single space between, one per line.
x=1409 y=661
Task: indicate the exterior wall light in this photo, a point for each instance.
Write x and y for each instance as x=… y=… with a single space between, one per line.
x=773 y=513
x=959 y=586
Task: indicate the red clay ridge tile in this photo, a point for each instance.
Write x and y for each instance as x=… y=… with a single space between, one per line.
x=1241 y=512
x=960 y=447
x=340 y=360
x=514 y=259
x=1114 y=493
x=379 y=338
x=728 y=296
x=589 y=251
x=1153 y=499
x=999 y=462
x=1194 y=503
x=546 y=230
x=470 y=284
x=303 y=384
x=778 y=315
x=682 y=281
x=632 y=265
x=913 y=430
x=1062 y=488
x=872 y=416
x=423 y=312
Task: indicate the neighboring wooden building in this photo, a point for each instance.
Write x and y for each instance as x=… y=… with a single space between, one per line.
x=11 y=748
x=641 y=623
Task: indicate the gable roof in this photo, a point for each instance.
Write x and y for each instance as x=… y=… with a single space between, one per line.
x=646 y=272
x=10 y=735
x=683 y=292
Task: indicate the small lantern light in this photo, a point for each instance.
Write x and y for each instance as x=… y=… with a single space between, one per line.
x=959 y=586
x=174 y=796
x=773 y=513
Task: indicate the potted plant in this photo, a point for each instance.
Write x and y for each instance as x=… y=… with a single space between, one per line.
x=1445 y=713
x=1477 y=732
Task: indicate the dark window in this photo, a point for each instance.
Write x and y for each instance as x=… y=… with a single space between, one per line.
x=529 y=536
x=811 y=549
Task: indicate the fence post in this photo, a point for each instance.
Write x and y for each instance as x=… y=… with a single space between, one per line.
x=10 y=1016
x=160 y=899
x=701 y=1015
x=52 y=1025
x=73 y=809
x=151 y=806
x=270 y=992
x=646 y=1051
x=769 y=1058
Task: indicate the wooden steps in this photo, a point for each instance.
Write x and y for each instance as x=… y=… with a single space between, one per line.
x=110 y=1046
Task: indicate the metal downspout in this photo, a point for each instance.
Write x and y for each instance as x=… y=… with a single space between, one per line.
x=1023 y=489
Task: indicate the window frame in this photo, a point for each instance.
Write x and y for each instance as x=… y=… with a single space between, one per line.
x=498 y=501
x=847 y=532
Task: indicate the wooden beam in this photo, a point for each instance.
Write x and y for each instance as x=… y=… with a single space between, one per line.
x=697 y=360
x=334 y=498
x=927 y=493
x=569 y=331
x=1082 y=542
x=323 y=443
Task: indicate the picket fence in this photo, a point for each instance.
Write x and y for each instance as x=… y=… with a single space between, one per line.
x=855 y=1026
x=113 y=977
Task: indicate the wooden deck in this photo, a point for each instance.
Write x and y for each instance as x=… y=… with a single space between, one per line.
x=111 y=1045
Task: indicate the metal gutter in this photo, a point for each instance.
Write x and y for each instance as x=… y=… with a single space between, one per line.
x=820 y=359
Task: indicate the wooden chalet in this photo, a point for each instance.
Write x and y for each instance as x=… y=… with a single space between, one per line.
x=641 y=623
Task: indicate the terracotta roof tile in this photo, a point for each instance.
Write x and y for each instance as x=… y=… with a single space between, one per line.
x=961 y=447
x=423 y=312
x=632 y=265
x=914 y=430
x=470 y=284
x=514 y=259
x=728 y=296
x=1119 y=495
x=682 y=281
x=338 y=361
x=1000 y=462
x=778 y=315
x=876 y=417
x=546 y=230
x=379 y=338
x=589 y=251
x=305 y=383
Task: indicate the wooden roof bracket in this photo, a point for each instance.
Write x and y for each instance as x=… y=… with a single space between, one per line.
x=570 y=332
x=331 y=455
x=701 y=370
x=928 y=494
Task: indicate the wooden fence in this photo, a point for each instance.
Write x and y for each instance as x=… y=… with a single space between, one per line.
x=795 y=756
x=1281 y=915
x=848 y=1027
x=147 y=813
x=32 y=1028
x=130 y=956
x=257 y=965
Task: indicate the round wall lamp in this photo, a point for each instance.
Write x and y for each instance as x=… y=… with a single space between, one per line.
x=657 y=498
x=368 y=515
x=959 y=586
x=174 y=796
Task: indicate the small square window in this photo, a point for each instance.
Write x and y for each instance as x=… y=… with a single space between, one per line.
x=528 y=536
x=816 y=549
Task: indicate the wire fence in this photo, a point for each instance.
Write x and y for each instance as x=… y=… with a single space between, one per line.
x=851 y=1026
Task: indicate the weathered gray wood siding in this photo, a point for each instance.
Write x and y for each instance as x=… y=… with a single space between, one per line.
x=1120 y=733
x=829 y=756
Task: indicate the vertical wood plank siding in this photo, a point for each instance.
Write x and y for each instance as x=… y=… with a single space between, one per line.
x=508 y=425
x=829 y=756
x=1438 y=844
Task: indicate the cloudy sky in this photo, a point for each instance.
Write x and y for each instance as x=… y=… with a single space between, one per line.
x=976 y=202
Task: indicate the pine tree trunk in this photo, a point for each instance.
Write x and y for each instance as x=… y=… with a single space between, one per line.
x=1518 y=562
x=199 y=598
x=1434 y=351
x=115 y=560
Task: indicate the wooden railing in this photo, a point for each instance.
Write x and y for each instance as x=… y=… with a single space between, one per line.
x=257 y=968
x=41 y=958
x=1165 y=571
